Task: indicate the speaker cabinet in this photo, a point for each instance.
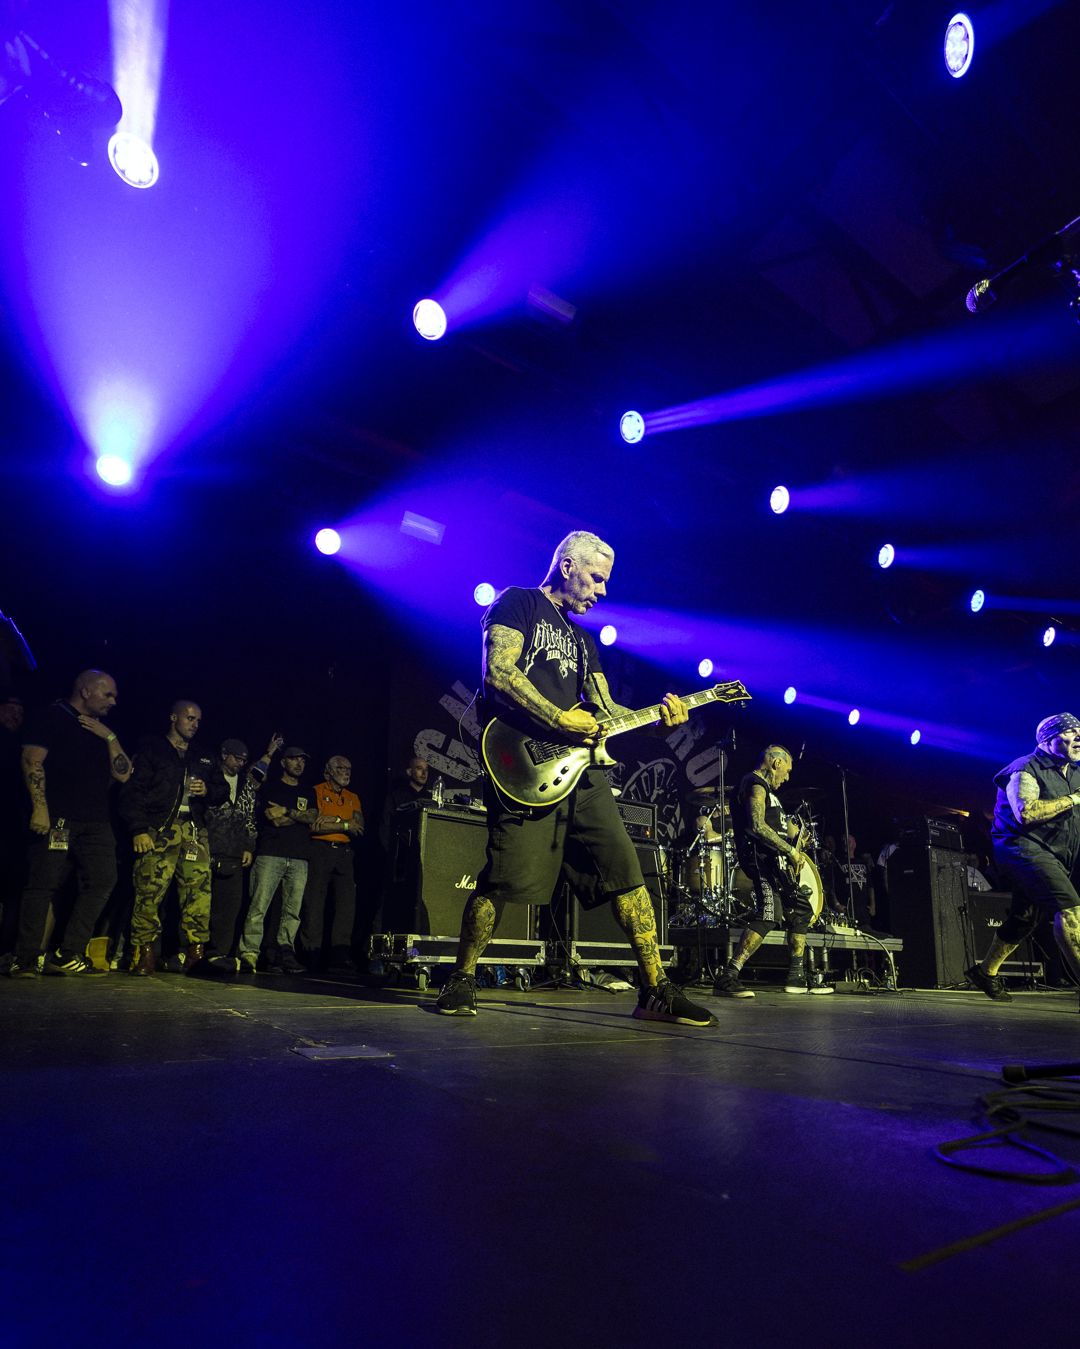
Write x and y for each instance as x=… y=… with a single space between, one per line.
x=436 y=855
x=987 y=910
x=928 y=899
x=599 y=924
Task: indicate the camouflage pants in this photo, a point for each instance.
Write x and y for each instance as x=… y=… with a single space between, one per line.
x=182 y=851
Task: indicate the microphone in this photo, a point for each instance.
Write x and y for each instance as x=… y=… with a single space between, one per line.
x=985 y=292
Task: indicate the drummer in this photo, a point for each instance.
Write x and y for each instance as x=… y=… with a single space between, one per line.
x=767 y=843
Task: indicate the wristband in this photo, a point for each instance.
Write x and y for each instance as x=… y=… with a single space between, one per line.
x=110 y=738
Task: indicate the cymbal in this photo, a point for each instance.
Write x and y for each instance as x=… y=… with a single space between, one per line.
x=708 y=793
x=803 y=791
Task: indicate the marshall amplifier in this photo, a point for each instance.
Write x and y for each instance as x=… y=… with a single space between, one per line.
x=925 y=831
x=436 y=854
x=639 y=819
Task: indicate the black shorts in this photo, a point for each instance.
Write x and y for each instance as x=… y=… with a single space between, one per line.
x=526 y=853
x=1039 y=881
x=777 y=900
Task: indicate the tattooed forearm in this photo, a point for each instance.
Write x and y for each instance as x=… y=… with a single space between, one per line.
x=758 y=826
x=598 y=692
x=502 y=647
x=33 y=767
x=1023 y=794
x=121 y=766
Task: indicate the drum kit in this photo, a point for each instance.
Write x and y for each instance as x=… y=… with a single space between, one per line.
x=707 y=886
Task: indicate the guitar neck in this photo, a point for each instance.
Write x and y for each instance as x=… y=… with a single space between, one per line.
x=630 y=721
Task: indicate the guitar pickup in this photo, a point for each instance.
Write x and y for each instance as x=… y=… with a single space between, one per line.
x=542 y=751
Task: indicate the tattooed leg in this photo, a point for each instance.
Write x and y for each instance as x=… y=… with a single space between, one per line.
x=634 y=913
x=797 y=942
x=1067 y=935
x=478 y=924
x=999 y=951
x=748 y=944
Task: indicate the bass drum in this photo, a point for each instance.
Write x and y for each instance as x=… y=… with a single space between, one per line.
x=809 y=882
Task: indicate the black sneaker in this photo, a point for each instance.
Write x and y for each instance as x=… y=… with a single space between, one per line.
x=58 y=963
x=24 y=967
x=991 y=984
x=458 y=997
x=666 y=1002
x=290 y=965
x=796 y=981
x=729 y=985
x=248 y=965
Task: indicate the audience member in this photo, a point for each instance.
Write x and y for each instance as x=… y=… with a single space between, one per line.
x=13 y=811
x=231 y=831
x=411 y=787
x=164 y=806
x=69 y=822
x=331 y=870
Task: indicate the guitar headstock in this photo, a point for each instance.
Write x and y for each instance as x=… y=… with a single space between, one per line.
x=732 y=691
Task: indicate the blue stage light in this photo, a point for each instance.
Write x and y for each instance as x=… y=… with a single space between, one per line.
x=916 y=736
x=853 y=717
x=608 y=634
x=1049 y=635
x=705 y=668
x=328 y=541
x=978 y=599
x=484 y=593
x=790 y=694
x=886 y=556
x=114 y=470
x=429 y=319
x=959 y=45
x=779 y=500
x=133 y=159
x=631 y=427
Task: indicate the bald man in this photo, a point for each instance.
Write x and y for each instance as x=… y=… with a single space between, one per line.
x=70 y=759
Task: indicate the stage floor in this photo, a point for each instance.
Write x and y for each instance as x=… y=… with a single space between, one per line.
x=551 y=1172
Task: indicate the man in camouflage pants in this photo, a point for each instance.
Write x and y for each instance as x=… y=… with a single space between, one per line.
x=164 y=805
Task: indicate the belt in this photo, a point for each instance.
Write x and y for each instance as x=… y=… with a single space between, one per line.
x=329 y=843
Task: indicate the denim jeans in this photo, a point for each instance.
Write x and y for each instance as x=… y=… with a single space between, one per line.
x=267 y=873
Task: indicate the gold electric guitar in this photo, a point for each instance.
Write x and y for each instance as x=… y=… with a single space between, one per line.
x=529 y=771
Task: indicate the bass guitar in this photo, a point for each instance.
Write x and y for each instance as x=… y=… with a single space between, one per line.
x=535 y=772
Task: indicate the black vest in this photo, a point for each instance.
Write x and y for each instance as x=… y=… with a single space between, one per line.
x=1061 y=835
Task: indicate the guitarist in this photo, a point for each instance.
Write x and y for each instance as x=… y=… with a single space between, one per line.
x=767 y=843
x=538 y=665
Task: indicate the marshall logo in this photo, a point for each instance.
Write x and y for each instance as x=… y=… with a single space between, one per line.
x=467 y=882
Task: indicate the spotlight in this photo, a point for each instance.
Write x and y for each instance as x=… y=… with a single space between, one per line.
x=853 y=717
x=631 y=427
x=790 y=694
x=114 y=470
x=978 y=599
x=133 y=159
x=916 y=736
x=959 y=45
x=484 y=593
x=705 y=668
x=328 y=541
x=429 y=319
x=608 y=635
x=1049 y=635
x=779 y=500
x=886 y=556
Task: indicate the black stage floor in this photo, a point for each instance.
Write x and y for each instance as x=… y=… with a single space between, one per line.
x=551 y=1172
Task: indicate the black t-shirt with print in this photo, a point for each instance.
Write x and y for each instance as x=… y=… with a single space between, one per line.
x=287 y=840
x=556 y=658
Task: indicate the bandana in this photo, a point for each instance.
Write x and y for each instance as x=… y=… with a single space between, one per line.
x=1051 y=726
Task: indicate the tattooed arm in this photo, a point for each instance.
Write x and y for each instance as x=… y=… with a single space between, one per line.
x=760 y=829
x=502 y=647
x=1023 y=794
x=33 y=767
x=598 y=692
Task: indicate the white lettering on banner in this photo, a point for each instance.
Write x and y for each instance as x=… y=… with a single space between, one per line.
x=683 y=738
x=705 y=767
x=449 y=757
x=460 y=703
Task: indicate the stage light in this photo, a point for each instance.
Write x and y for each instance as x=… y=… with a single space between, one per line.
x=790 y=694
x=853 y=717
x=959 y=45
x=484 y=593
x=631 y=427
x=886 y=556
x=779 y=500
x=328 y=541
x=1049 y=635
x=705 y=668
x=429 y=320
x=114 y=470
x=608 y=635
x=978 y=599
x=133 y=159
x=916 y=736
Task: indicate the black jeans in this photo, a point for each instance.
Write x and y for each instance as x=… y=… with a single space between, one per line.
x=330 y=873
x=226 y=901
x=91 y=853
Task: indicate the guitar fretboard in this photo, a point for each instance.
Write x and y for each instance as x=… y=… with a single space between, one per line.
x=732 y=692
